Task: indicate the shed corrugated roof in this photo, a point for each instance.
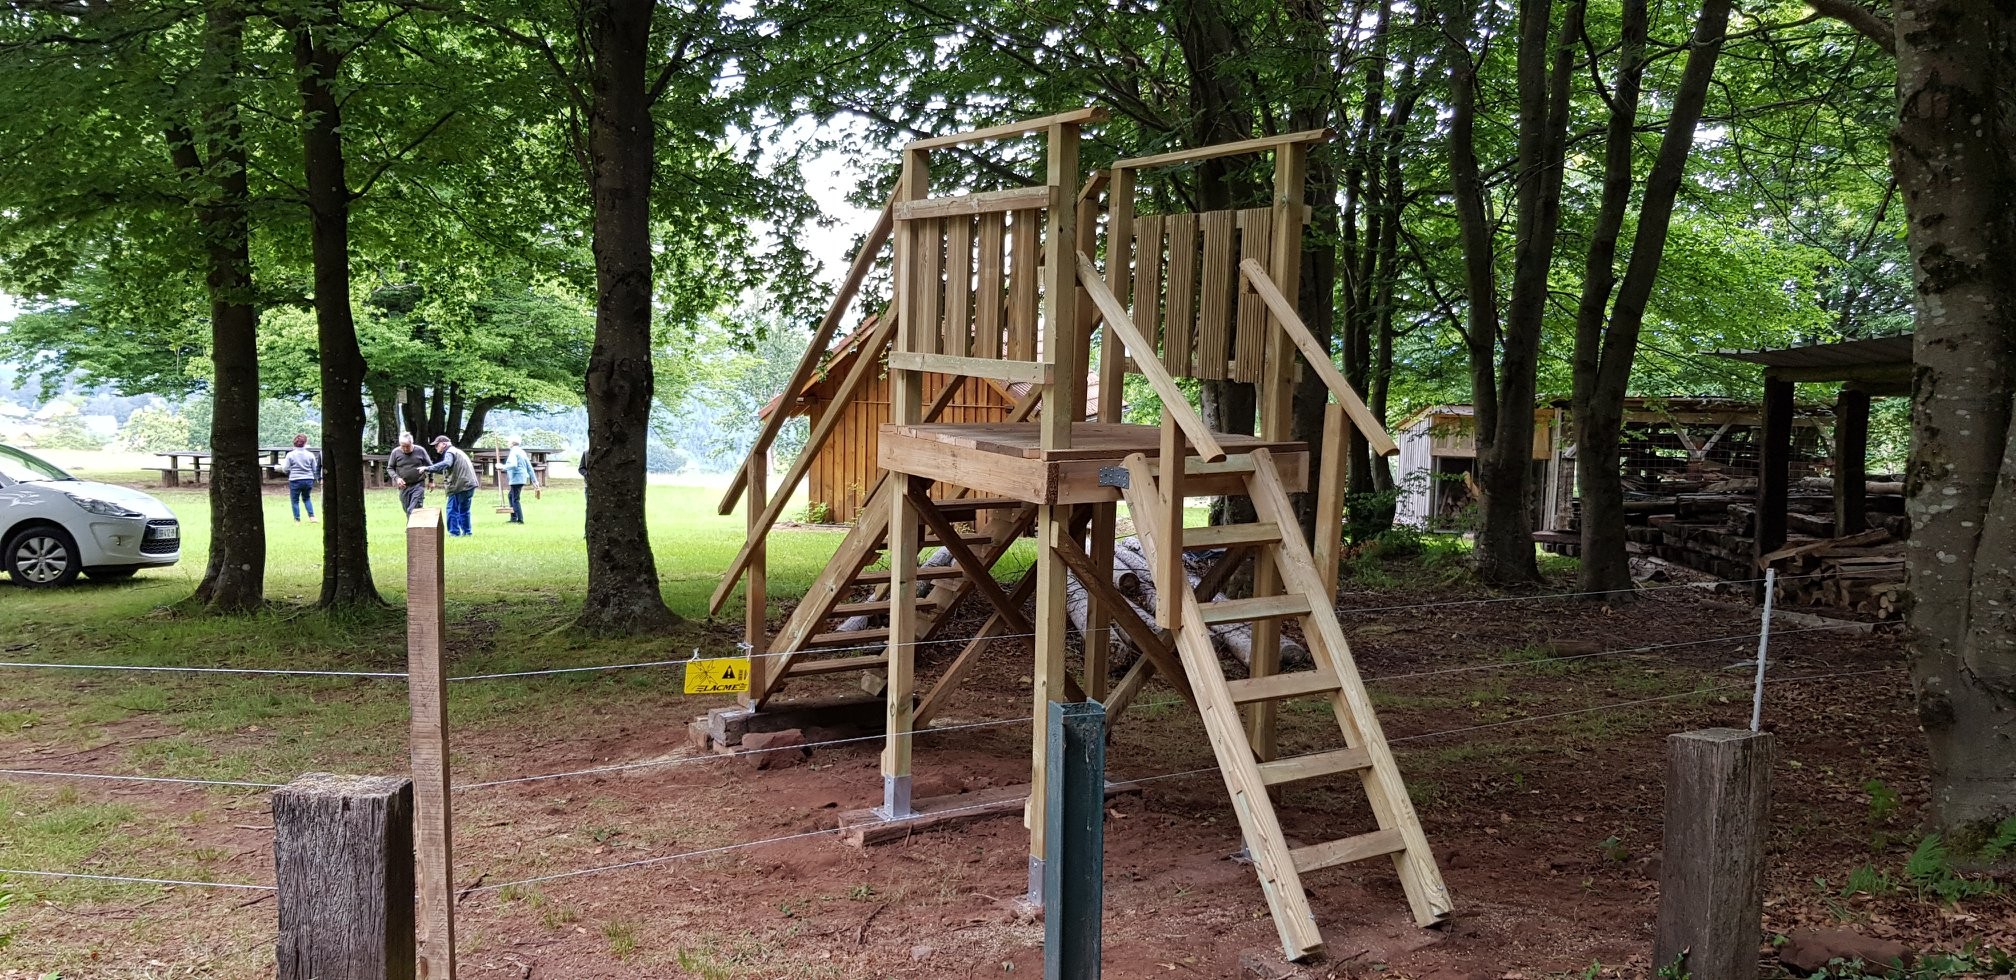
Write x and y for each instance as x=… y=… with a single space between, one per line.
x=1846 y=355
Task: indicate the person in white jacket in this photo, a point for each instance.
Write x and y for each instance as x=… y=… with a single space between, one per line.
x=304 y=470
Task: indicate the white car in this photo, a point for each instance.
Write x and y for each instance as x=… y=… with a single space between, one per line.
x=53 y=525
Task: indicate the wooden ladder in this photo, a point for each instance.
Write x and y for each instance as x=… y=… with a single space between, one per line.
x=1334 y=676
x=805 y=645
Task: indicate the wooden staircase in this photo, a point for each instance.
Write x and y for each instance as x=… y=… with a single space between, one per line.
x=811 y=641
x=1334 y=676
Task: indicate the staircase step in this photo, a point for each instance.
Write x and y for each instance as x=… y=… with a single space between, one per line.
x=1265 y=607
x=1230 y=535
x=875 y=608
x=1375 y=844
x=966 y=505
x=877 y=634
x=836 y=665
x=935 y=571
x=1192 y=466
x=967 y=538
x=1275 y=687
x=1314 y=766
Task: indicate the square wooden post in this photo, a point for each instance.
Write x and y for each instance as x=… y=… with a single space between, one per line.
x=1774 y=466
x=1711 y=880
x=756 y=590
x=343 y=859
x=434 y=839
x=1851 y=462
x=1060 y=347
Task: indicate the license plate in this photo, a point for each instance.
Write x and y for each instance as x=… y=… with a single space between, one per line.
x=165 y=533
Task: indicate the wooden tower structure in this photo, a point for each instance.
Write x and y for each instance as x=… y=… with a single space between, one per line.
x=1006 y=286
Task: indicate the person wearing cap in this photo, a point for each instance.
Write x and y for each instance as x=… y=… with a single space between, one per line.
x=461 y=483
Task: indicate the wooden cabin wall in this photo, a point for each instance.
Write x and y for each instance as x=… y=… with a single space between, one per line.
x=844 y=471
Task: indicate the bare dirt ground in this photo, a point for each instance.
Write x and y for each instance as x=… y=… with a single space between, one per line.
x=1538 y=779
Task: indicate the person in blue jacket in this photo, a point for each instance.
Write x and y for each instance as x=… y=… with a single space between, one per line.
x=517 y=472
x=304 y=470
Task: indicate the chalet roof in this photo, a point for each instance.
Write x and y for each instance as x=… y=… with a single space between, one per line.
x=1874 y=359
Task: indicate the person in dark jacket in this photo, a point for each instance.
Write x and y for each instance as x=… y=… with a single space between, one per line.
x=408 y=464
x=304 y=470
x=461 y=484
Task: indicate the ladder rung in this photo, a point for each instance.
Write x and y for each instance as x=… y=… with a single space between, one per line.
x=877 y=634
x=967 y=538
x=1375 y=844
x=1275 y=687
x=962 y=505
x=1314 y=766
x=859 y=608
x=1196 y=467
x=1243 y=610
x=835 y=665
x=882 y=578
x=1230 y=535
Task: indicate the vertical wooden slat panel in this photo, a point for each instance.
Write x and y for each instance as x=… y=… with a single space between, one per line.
x=1256 y=236
x=1214 y=308
x=1025 y=234
x=931 y=282
x=1147 y=278
x=987 y=309
x=958 y=285
x=1180 y=320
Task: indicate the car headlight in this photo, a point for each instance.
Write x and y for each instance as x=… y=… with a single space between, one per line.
x=103 y=508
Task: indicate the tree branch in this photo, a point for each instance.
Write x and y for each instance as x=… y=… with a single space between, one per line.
x=1868 y=22
x=404 y=151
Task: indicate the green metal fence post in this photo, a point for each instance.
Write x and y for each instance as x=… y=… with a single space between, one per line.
x=1074 y=867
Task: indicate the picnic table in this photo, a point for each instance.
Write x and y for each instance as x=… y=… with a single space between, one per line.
x=171 y=475
x=487 y=460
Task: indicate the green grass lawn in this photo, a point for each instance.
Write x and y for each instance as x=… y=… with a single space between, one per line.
x=513 y=591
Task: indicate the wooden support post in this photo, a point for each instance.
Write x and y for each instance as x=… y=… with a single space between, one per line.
x=1774 y=467
x=1851 y=462
x=1711 y=884
x=343 y=860
x=1074 y=871
x=756 y=594
x=1059 y=347
x=434 y=850
x=1099 y=618
x=904 y=536
x=1330 y=496
x=1170 y=575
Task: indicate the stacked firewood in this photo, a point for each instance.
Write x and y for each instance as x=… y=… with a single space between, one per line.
x=1861 y=572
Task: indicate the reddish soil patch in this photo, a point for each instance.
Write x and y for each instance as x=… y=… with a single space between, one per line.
x=1539 y=784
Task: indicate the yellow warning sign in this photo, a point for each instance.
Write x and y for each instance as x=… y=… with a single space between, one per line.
x=722 y=675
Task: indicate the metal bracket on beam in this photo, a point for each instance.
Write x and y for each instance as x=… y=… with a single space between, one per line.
x=1113 y=476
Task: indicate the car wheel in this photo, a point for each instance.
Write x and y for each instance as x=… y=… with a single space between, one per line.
x=41 y=557
x=111 y=574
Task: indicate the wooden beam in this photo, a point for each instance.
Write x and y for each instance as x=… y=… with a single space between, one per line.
x=1257 y=145
x=969 y=655
x=864 y=260
x=1029 y=372
x=1851 y=461
x=976 y=570
x=1143 y=352
x=1076 y=117
x=984 y=202
x=1153 y=644
x=433 y=845
x=1319 y=358
x=1330 y=487
x=1774 y=476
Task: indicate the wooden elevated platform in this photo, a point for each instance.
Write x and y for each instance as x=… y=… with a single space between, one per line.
x=1008 y=460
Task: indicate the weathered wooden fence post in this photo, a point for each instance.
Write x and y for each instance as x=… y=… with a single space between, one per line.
x=343 y=858
x=1711 y=880
x=434 y=854
x=1074 y=862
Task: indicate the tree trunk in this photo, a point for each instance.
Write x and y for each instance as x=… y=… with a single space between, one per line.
x=1603 y=356
x=1955 y=159
x=479 y=415
x=234 y=578
x=623 y=593
x=346 y=560
x=385 y=416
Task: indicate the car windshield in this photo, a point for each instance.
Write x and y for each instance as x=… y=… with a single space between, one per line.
x=19 y=467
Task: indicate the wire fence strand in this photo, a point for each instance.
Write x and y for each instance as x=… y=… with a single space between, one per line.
x=51 y=773
x=135 y=881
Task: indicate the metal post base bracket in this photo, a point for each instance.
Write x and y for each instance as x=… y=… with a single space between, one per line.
x=895 y=798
